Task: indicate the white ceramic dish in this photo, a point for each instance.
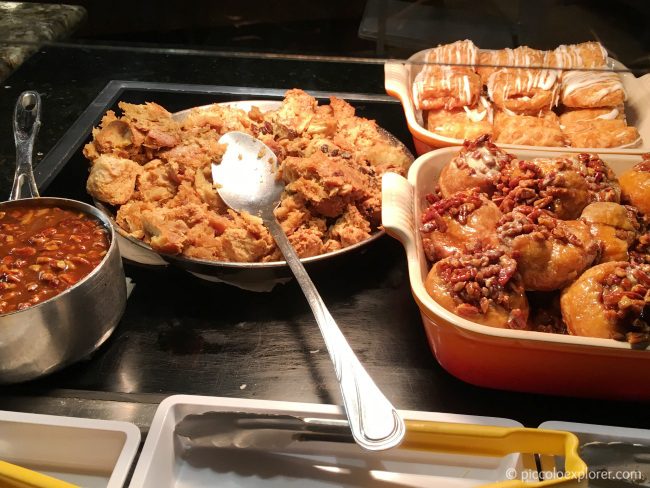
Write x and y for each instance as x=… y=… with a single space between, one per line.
x=311 y=464
x=399 y=77
x=505 y=358
x=85 y=452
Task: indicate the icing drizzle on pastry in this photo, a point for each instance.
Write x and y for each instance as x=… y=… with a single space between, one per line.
x=607 y=81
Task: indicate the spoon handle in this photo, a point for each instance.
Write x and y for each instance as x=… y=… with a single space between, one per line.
x=374 y=422
x=27 y=121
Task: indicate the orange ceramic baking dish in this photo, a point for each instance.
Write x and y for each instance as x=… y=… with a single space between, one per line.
x=398 y=80
x=504 y=358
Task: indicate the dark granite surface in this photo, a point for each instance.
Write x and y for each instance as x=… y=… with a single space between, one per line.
x=183 y=335
x=24 y=26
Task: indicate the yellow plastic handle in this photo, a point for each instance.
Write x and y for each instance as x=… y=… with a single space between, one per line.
x=12 y=476
x=480 y=440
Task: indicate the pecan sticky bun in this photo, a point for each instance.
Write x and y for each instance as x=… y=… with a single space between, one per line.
x=635 y=185
x=482 y=286
x=601 y=179
x=616 y=226
x=549 y=184
x=550 y=253
x=463 y=219
x=611 y=301
x=478 y=165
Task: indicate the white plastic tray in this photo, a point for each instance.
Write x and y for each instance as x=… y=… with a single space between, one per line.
x=311 y=464
x=86 y=452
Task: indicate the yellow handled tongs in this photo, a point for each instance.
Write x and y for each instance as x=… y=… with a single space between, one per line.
x=267 y=431
x=482 y=440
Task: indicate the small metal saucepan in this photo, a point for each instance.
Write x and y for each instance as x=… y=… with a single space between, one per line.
x=69 y=326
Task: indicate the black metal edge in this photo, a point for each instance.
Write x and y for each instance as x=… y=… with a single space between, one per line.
x=58 y=156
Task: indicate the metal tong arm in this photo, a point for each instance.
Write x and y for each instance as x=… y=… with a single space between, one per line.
x=374 y=422
x=27 y=121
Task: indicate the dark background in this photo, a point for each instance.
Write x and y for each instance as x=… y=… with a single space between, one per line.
x=367 y=28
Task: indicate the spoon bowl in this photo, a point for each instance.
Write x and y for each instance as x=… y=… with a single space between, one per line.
x=248 y=174
x=248 y=181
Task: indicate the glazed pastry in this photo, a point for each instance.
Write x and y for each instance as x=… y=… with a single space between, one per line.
x=598 y=127
x=575 y=115
x=584 y=55
x=520 y=57
x=478 y=165
x=550 y=253
x=635 y=185
x=554 y=184
x=590 y=89
x=528 y=130
x=523 y=91
x=610 y=301
x=450 y=224
x=483 y=287
x=459 y=52
x=615 y=226
x=465 y=123
x=444 y=86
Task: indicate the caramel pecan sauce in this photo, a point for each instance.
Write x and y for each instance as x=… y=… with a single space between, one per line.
x=459 y=207
x=601 y=179
x=525 y=183
x=540 y=224
x=483 y=278
x=639 y=249
x=530 y=193
x=626 y=298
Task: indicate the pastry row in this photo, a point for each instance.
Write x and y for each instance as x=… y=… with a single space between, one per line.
x=565 y=97
x=549 y=244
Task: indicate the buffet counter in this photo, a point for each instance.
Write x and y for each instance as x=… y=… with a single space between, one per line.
x=184 y=335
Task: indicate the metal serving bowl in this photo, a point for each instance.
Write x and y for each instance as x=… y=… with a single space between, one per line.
x=249 y=276
x=69 y=326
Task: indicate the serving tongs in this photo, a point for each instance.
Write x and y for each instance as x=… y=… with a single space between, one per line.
x=271 y=432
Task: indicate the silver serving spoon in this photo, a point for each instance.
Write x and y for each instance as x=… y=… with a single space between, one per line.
x=248 y=182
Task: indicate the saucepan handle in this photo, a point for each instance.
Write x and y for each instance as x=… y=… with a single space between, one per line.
x=27 y=121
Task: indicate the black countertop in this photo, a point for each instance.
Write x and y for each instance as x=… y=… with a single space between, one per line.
x=184 y=335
